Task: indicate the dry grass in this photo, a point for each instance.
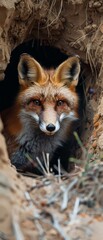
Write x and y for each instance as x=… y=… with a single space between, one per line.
x=53 y=15
x=58 y=203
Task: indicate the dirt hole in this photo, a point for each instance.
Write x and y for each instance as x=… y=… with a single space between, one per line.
x=51 y=57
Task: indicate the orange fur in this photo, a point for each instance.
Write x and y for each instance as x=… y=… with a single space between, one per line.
x=45 y=97
x=12 y=124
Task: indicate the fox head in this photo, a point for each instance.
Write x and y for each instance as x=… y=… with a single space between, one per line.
x=48 y=97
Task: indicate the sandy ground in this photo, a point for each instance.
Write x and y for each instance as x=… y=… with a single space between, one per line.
x=51 y=207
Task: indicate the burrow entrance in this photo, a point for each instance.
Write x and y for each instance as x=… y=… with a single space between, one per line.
x=50 y=57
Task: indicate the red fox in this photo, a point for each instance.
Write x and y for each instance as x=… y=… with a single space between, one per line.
x=45 y=107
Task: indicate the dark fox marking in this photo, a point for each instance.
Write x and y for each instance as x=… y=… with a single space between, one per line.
x=73 y=70
x=24 y=68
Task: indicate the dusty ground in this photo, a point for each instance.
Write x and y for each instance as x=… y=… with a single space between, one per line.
x=51 y=207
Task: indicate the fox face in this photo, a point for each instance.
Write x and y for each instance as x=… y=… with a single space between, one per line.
x=40 y=119
x=48 y=98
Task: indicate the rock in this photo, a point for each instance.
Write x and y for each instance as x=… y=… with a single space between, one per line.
x=94 y=145
x=101 y=107
x=96 y=118
x=100 y=141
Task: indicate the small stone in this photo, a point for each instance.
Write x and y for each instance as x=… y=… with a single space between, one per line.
x=94 y=134
x=43 y=203
x=96 y=124
x=2 y=75
x=100 y=141
x=63 y=19
x=97 y=4
x=101 y=28
x=100 y=129
x=101 y=107
x=94 y=145
x=100 y=196
x=94 y=26
x=91 y=90
x=52 y=232
x=96 y=118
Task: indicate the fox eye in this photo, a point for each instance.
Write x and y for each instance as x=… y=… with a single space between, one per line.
x=60 y=103
x=36 y=102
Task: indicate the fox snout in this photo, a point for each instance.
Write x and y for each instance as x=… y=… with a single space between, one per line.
x=49 y=121
x=49 y=128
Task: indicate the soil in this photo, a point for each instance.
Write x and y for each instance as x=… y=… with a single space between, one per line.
x=51 y=207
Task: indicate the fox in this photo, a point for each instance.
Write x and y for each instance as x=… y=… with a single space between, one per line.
x=40 y=119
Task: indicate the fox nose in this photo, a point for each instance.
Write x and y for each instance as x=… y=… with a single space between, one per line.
x=50 y=127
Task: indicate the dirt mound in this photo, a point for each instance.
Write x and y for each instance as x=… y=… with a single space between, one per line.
x=50 y=207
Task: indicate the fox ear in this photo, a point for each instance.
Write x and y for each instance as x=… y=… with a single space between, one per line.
x=29 y=70
x=69 y=71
